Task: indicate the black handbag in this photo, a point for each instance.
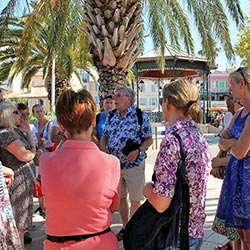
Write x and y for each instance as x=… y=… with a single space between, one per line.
x=150 y=230
x=130 y=146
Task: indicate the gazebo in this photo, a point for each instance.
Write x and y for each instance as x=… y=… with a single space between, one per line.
x=178 y=64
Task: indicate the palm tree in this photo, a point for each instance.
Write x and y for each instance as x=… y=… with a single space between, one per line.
x=115 y=28
x=32 y=42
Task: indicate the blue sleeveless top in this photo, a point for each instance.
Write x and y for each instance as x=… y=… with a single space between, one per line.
x=234 y=202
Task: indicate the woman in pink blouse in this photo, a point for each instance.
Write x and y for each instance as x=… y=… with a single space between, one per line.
x=80 y=183
x=182 y=112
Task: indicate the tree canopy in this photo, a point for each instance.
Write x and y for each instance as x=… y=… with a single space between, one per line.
x=242 y=48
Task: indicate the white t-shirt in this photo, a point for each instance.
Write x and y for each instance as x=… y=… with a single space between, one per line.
x=227 y=119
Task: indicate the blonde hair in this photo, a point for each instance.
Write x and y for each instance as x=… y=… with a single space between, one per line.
x=184 y=95
x=239 y=74
x=6 y=114
x=75 y=110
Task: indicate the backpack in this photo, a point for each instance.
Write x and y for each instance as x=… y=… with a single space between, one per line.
x=149 y=230
x=139 y=117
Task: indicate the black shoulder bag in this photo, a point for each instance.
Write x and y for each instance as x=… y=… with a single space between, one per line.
x=150 y=230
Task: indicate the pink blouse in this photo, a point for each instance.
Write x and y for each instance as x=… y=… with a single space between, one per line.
x=81 y=190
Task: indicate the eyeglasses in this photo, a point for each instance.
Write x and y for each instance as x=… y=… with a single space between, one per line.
x=117 y=95
x=240 y=70
x=15 y=112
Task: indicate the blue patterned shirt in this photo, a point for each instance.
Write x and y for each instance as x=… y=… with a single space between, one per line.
x=119 y=131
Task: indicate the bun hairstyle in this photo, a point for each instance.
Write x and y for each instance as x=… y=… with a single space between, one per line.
x=184 y=95
x=76 y=110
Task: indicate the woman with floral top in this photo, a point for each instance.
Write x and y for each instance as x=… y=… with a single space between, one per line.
x=182 y=112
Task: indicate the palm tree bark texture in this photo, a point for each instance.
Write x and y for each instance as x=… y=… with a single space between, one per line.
x=113 y=28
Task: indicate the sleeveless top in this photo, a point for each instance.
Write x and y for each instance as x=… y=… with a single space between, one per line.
x=234 y=202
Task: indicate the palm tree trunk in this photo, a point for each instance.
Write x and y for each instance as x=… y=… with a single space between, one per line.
x=53 y=83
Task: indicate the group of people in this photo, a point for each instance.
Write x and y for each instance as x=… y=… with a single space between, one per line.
x=19 y=151
x=99 y=164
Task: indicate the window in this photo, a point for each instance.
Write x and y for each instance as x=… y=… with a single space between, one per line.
x=213 y=84
x=142 y=88
x=96 y=98
x=96 y=87
x=222 y=86
x=143 y=101
x=85 y=77
x=153 y=101
x=153 y=88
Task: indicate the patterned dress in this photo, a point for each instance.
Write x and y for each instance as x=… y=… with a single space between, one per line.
x=21 y=190
x=9 y=237
x=197 y=159
x=234 y=203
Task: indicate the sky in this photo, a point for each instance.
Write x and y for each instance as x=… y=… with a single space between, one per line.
x=221 y=60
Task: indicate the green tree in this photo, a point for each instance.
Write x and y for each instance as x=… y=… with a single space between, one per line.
x=242 y=47
x=115 y=30
x=31 y=43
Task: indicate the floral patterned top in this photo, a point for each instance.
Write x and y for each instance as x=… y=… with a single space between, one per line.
x=119 y=131
x=198 y=162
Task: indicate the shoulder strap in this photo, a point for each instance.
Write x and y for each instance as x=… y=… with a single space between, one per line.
x=111 y=114
x=183 y=171
x=97 y=119
x=184 y=234
x=139 y=116
x=140 y=121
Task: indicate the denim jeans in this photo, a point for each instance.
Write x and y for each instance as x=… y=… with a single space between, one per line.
x=194 y=243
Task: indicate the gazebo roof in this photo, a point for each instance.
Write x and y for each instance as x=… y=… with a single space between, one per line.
x=178 y=64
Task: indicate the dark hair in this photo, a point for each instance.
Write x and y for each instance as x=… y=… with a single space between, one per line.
x=108 y=96
x=22 y=106
x=76 y=110
x=36 y=105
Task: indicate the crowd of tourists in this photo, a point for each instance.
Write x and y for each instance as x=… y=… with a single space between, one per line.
x=83 y=167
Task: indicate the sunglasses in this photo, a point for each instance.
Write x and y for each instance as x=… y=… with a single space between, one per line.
x=239 y=103
x=240 y=70
x=15 y=112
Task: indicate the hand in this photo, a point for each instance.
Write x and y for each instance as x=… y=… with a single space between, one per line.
x=8 y=175
x=218 y=173
x=38 y=154
x=147 y=188
x=24 y=126
x=132 y=156
x=225 y=133
x=216 y=162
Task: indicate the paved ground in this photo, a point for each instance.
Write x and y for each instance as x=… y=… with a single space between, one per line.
x=211 y=239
